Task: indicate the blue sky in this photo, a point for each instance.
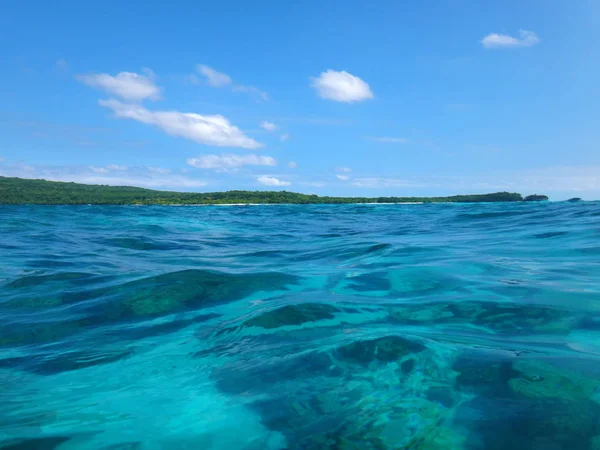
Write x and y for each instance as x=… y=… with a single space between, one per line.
x=326 y=97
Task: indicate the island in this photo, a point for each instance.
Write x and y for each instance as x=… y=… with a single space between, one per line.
x=536 y=198
x=19 y=191
x=575 y=200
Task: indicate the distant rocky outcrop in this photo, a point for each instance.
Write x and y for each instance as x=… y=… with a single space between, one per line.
x=575 y=200
x=536 y=198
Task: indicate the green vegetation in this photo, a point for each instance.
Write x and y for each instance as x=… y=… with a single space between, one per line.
x=536 y=198
x=15 y=191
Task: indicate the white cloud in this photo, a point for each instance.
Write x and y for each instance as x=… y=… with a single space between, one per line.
x=217 y=79
x=128 y=85
x=116 y=167
x=99 y=169
x=343 y=177
x=344 y=169
x=1 y=159
x=159 y=170
x=230 y=161
x=525 y=39
x=269 y=126
x=251 y=90
x=390 y=140
x=284 y=137
x=272 y=181
x=292 y=164
x=209 y=130
x=341 y=87
x=214 y=78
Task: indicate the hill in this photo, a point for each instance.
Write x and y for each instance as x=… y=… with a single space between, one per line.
x=16 y=191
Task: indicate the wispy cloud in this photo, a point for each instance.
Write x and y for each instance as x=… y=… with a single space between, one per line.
x=90 y=175
x=160 y=170
x=341 y=87
x=525 y=39
x=269 y=126
x=127 y=85
x=230 y=161
x=213 y=77
x=291 y=164
x=218 y=79
x=61 y=66
x=99 y=169
x=344 y=169
x=314 y=120
x=389 y=140
x=262 y=95
x=284 y=137
x=384 y=182
x=208 y=130
x=343 y=177
x=272 y=181
x=116 y=167
x=312 y=183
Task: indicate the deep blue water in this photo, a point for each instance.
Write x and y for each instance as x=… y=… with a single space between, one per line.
x=300 y=327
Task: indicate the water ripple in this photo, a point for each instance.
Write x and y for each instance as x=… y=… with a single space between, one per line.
x=300 y=327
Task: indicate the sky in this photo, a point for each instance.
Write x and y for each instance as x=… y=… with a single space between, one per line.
x=350 y=98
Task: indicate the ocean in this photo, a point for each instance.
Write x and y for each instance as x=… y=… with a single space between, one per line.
x=433 y=326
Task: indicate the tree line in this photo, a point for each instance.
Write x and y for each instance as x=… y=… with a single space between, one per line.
x=17 y=191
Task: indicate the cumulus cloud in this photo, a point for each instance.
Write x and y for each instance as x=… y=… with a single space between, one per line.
x=269 y=126
x=343 y=177
x=208 y=130
x=390 y=140
x=284 y=137
x=272 y=181
x=230 y=161
x=127 y=85
x=213 y=78
x=341 y=87
x=525 y=39
x=292 y=164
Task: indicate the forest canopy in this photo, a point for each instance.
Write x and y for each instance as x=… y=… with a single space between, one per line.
x=17 y=191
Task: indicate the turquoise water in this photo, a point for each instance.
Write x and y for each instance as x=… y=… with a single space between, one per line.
x=300 y=327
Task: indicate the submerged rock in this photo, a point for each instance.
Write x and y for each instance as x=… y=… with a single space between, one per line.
x=484 y=377
x=384 y=349
x=194 y=289
x=42 y=443
x=538 y=379
x=293 y=315
x=501 y=317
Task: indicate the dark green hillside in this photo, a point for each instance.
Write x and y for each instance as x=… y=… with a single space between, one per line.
x=17 y=191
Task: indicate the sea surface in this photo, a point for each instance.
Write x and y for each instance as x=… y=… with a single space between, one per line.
x=435 y=326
